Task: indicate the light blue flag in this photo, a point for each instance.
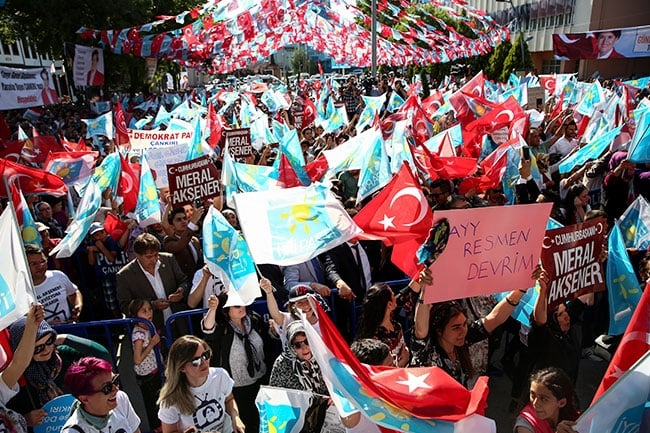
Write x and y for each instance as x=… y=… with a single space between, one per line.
x=247 y=112
x=107 y=175
x=592 y=150
x=511 y=175
x=591 y=100
x=228 y=99
x=398 y=147
x=640 y=146
x=293 y=225
x=279 y=130
x=372 y=106
x=229 y=176
x=162 y=117
x=90 y=202
x=29 y=231
x=641 y=83
x=395 y=102
x=179 y=125
x=101 y=125
x=195 y=149
x=375 y=172
x=290 y=147
x=147 y=210
x=635 y=224
x=141 y=123
x=282 y=410
x=335 y=117
x=455 y=134
x=228 y=257
x=251 y=178
x=622 y=285
x=183 y=111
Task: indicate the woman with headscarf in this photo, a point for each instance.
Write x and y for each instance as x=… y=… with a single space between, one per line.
x=616 y=185
x=40 y=374
x=296 y=368
x=12 y=421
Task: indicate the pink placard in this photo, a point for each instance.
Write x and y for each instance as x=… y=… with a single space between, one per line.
x=490 y=250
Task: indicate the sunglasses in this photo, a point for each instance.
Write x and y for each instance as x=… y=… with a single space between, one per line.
x=108 y=388
x=205 y=356
x=298 y=344
x=41 y=347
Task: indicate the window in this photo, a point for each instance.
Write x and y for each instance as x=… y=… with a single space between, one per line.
x=550 y=66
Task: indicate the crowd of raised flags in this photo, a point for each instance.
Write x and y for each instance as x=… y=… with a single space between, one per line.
x=286 y=210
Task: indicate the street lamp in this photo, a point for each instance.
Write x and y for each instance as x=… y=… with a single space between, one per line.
x=521 y=27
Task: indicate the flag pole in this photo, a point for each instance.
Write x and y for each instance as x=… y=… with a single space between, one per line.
x=12 y=209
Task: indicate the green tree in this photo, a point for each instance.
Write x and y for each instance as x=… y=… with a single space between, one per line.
x=513 y=59
x=300 y=62
x=49 y=24
x=497 y=60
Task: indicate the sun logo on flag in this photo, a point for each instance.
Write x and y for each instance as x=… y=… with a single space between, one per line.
x=301 y=215
x=30 y=235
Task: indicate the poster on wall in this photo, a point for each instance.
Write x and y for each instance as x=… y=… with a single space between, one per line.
x=88 y=66
x=22 y=88
x=624 y=43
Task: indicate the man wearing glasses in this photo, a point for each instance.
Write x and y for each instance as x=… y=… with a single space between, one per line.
x=59 y=296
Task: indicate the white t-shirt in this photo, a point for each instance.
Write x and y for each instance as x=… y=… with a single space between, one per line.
x=7 y=394
x=148 y=364
x=210 y=399
x=123 y=419
x=53 y=295
x=214 y=286
x=563 y=146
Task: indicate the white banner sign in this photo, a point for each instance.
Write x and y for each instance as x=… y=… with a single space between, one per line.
x=88 y=66
x=160 y=157
x=150 y=139
x=22 y=88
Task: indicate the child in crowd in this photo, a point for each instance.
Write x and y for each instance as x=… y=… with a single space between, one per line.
x=552 y=406
x=144 y=359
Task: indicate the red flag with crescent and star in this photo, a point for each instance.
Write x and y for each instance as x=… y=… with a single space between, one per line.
x=128 y=186
x=121 y=133
x=31 y=180
x=635 y=344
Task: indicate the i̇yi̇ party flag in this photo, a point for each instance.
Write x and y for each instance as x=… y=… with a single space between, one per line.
x=228 y=257
x=72 y=167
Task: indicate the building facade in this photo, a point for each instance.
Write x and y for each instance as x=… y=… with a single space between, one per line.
x=538 y=20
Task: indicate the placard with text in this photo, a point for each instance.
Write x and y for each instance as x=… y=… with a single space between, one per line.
x=192 y=180
x=239 y=142
x=571 y=256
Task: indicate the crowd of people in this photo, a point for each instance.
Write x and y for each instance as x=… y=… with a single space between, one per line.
x=212 y=377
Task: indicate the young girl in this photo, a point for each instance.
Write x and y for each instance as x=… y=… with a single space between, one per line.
x=552 y=406
x=144 y=359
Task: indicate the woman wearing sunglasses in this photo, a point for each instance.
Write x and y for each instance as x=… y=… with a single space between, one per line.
x=53 y=354
x=296 y=368
x=100 y=405
x=195 y=396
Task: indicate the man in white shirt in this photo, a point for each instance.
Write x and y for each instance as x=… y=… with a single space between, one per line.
x=61 y=299
x=568 y=141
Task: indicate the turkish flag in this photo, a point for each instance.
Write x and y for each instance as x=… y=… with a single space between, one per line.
x=548 y=83
x=12 y=150
x=114 y=226
x=128 y=186
x=423 y=392
x=37 y=149
x=214 y=126
x=432 y=102
x=287 y=177
x=31 y=180
x=635 y=343
x=308 y=112
x=436 y=167
x=317 y=168
x=500 y=116
x=399 y=215
x=474 y=87
x=121 y=133
x=422 y=127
